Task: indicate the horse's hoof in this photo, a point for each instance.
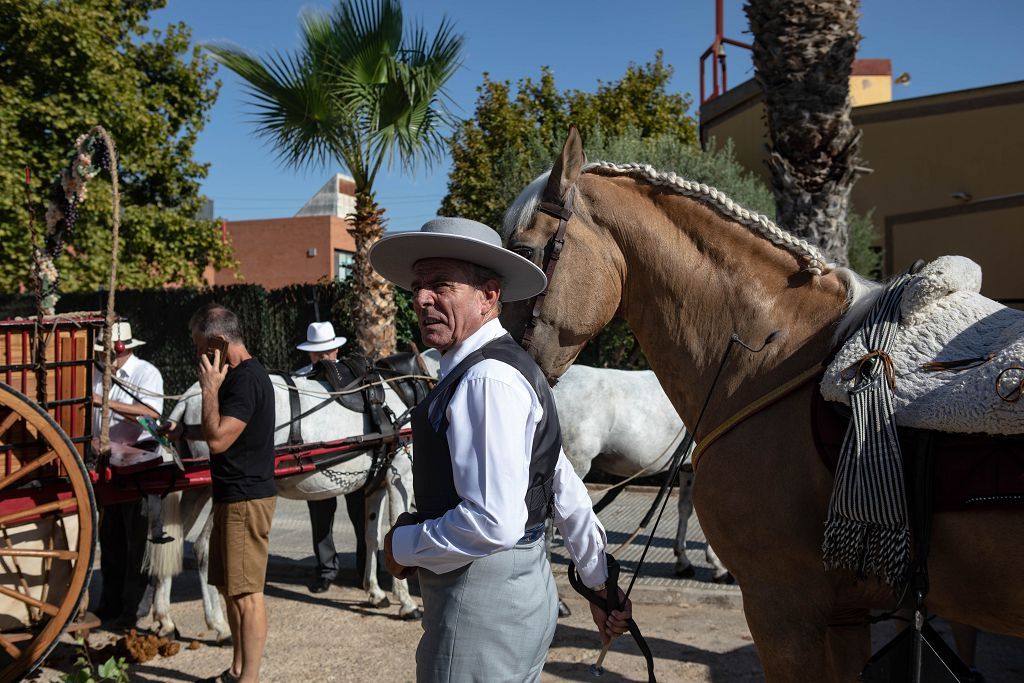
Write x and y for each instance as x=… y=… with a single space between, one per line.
x=414 y=615
x=726 y=578
x=686 y=572
x=563 y=609
x=384 y=602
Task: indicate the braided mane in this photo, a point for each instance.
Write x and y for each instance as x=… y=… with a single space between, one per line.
x=861 y=293
x=814 y=259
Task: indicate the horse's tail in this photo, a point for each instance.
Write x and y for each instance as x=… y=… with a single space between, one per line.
x=164 y=559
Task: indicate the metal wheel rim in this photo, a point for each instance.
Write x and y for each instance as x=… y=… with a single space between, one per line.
x=49 y=431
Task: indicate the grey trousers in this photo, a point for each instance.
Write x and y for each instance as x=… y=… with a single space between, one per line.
x=492 y=620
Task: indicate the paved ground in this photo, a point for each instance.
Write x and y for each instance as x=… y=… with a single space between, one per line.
x=696 y=629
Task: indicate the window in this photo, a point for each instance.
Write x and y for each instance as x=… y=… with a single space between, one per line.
x=342 y=264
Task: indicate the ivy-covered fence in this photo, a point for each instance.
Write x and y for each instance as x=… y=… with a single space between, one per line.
x=273 y=321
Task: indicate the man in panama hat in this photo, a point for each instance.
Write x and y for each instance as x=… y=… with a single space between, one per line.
x=488 y=469
x=136 y=391
x=322 y=344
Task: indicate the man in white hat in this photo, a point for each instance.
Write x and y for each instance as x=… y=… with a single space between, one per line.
x=489 y=468
x=322 y=344
x=136 y=390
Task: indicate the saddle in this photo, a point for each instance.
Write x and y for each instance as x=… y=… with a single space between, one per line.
x=411 y=391
x=972 y=471
x=349 y=374
x=957 y=362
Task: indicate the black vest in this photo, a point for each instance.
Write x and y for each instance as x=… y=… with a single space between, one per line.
x=432 y=477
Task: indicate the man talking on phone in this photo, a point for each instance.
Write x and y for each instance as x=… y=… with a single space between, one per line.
x=238 y=425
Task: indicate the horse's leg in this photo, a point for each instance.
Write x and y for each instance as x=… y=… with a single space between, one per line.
x=163 y=561
x=721 y=574
x=847 y=643
x=790 y=638
x=374 y=505
x=683 y=568
x=212 y=609
x=549 y=537
x=399 y=489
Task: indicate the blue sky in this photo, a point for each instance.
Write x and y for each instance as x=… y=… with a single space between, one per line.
x=944 y=45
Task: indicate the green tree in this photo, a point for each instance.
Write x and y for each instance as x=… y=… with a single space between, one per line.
x=67 y=66
x=512 y=138
x=803 y=54
x=361 y=90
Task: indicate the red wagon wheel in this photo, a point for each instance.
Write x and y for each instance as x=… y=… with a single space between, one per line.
x=47 y=533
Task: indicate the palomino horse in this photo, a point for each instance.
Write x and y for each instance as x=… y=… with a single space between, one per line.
x=322 y=421
x=687 y=268
x=621 y=422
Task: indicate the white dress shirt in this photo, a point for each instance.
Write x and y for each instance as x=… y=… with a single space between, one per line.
x=491 y=467
x=137 y=372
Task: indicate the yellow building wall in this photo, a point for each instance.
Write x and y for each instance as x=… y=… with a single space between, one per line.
x=923 y=151
x=993 y=239
x=865 y=90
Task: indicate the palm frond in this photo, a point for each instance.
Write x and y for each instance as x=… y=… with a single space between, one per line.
x=292 y=107
x=361 y=89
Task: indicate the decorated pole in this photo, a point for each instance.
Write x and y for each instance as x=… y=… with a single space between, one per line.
x=93 y=152
x=108 y=324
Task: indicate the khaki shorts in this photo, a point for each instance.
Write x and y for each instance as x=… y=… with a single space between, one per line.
x=239 y=545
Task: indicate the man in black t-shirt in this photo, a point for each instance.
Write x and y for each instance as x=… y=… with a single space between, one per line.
x=238 y=425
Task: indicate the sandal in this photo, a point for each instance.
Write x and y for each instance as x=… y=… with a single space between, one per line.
x=225 y=677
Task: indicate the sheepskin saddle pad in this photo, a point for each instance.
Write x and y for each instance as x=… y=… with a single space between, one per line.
x=957 y=364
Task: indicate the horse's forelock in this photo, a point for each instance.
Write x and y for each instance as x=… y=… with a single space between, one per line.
x=519 y=214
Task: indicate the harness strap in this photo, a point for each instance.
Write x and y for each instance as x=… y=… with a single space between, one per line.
x=563 y=214
x=295 y=407
x=610 y=604
x=753 y=408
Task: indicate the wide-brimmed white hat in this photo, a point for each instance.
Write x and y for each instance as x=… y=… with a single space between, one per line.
x=320 y=337
x=456 y=238
x=121 y=331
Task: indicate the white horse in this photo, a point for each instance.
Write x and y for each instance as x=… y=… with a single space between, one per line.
x=328 y=422
x=621 y=422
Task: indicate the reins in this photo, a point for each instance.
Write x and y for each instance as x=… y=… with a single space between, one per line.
x=753 y=408
x=551 y=254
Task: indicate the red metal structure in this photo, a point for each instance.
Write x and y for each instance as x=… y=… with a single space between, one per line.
x=717 y=54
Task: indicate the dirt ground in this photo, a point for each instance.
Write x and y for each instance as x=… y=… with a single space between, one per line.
x=336 y=637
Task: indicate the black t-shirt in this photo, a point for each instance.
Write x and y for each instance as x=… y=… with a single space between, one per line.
x=245 y=471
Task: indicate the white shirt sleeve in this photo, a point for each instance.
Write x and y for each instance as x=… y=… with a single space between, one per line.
x=490 y=435
x=151 y=380
x=582 y=532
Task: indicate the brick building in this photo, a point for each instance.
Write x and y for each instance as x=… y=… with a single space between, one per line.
x=312 y=245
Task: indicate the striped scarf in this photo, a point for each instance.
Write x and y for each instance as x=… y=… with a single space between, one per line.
x=867 y=529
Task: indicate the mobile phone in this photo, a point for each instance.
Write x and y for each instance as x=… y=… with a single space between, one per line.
x=215 y=343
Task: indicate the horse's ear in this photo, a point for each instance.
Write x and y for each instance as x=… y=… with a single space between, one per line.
x=567 y=168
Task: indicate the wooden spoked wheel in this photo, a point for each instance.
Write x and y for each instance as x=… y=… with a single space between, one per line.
x=47 y=533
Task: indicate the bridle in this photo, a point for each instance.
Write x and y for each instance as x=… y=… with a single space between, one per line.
x=552 y=251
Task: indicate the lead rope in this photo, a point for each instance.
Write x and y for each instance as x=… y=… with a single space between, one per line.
x=611 y=602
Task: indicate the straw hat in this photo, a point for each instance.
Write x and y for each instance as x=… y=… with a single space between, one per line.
x=456 y=238
x=120 y=332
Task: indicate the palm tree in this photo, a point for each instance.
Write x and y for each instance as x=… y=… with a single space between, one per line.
x=803 y=54
x=361 y=90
